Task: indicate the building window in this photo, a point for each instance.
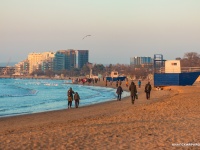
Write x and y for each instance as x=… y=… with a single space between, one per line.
x=174 y=64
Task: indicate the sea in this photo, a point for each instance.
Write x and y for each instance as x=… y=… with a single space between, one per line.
x=4 y=64
x=28 y=96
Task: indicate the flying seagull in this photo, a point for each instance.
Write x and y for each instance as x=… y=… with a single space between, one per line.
x=85 y=36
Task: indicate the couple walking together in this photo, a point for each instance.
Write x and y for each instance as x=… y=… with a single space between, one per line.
x=76 y=97
x=133 y=91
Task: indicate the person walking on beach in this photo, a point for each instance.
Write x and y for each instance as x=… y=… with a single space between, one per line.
x=120 y=82
x=139 y=83
x=133 y=91
x=93 y=81
x=148 y=90
x=70 y=93
x=111 y=81
x=127 y=83
x=117 y=83
x=119 y=92
x=76 y=98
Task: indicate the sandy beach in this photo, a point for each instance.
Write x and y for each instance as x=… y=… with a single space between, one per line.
x=169 y=120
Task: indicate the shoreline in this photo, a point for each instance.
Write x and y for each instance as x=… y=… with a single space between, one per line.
x=168 y=117
x=93 y=106
x=98 y=84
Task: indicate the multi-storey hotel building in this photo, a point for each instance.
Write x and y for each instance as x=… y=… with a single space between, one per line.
x=61 y=60
x=141 y=61
x=36 y=60
x=68 y=59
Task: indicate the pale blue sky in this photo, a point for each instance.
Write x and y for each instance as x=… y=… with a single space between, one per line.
x=120 y=29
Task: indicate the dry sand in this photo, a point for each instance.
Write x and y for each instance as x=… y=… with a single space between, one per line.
x=169 y=117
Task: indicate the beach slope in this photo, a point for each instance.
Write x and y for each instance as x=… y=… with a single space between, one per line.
x=170 y=117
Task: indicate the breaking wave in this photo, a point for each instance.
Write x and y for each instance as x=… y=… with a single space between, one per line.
x=16 y=91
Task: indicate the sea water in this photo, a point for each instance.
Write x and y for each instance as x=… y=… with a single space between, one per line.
x=26 y=96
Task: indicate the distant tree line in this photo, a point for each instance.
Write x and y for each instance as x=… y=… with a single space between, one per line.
x=128 y=70
x=190 y=59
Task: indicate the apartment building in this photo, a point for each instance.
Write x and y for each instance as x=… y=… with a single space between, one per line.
x=141 y=61
x=59 y=61
x=36 y=60
x=82 y=58
x=68 y=59
x=22 y=68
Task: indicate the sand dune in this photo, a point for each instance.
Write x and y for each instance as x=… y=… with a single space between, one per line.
x=170 y=117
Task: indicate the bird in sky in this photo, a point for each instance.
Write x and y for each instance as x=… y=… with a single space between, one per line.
x=85 y=36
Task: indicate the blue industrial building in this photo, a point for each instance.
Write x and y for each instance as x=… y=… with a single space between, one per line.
x=170 y=73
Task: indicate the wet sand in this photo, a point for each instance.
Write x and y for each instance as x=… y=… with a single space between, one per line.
x=171 y=116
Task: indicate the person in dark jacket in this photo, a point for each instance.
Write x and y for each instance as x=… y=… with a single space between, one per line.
x=148 y=90
x=76 y=98
x=70 y=93
x=133 y=91
x=106 y=83
x=117 y=83
x=119 y=92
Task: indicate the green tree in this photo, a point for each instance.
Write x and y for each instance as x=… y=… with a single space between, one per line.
x=49 y=73
x=85 y=70
x=75 y=72
x=38 y=72
x=191 y=59
x=98 y=68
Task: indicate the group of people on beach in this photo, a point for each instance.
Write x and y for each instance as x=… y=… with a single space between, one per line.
x=83 y=81
x=133 y=91
x=132 y=88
